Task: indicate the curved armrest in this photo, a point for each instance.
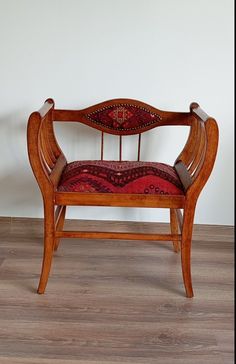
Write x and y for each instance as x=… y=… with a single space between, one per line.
x=196 y=161
x=46 y=158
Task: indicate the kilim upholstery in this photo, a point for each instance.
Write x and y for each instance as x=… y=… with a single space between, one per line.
x=120 y=177
x=104 y=182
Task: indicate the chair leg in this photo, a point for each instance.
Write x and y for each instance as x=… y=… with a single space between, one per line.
x=186 y=250
x=174 y=229
x=59 y=226
x=49 y=238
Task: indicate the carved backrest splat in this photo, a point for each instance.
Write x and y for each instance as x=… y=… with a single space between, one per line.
x=124 y=117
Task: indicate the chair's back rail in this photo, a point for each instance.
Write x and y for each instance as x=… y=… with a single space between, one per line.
x=123 y=117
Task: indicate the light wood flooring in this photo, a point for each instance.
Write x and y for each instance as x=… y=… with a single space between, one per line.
x=115 y=302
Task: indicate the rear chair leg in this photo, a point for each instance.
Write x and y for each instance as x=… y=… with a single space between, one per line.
x=186 y=251
x=174 y=229
x=59 y=225
x=49 y=239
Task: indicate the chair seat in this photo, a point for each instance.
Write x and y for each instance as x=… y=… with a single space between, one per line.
x=120 y=177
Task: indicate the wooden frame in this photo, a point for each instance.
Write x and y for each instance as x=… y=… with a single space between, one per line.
x=193 y=166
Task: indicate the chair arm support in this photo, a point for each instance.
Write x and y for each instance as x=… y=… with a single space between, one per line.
x=46 y=158
x=57 y=170
x=183 y=174
x=196 y=161
x=35 y=157
x=199 y=179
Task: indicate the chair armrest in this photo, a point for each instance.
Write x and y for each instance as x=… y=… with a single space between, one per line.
x=200 y=113
x=46 y=158
x=196 y=161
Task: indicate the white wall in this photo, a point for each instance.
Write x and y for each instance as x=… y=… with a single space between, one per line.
x=165 y=52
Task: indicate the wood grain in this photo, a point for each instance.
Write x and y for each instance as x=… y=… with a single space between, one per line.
x=115 y=302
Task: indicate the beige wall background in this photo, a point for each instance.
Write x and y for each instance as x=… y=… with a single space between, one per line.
x=167 y=53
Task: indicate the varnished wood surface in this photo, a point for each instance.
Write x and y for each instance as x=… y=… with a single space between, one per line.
x=115 y=200
x=115 y=302
x=194 y=166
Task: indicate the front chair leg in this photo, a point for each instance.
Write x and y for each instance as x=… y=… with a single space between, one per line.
x=49 y=241
x=186 y=251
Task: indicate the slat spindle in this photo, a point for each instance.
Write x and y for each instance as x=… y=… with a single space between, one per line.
x=139 y=147
x=120 y=156
x=102 y=144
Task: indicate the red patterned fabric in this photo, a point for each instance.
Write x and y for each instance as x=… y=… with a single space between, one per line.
x=124 y=117
x=120 y=177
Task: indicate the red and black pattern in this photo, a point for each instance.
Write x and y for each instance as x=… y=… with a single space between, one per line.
x=124 y=117
x=120 y=177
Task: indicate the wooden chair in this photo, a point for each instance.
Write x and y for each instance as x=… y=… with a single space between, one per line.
x=121 y=183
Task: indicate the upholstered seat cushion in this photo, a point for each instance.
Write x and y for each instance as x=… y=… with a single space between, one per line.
x=120 y=177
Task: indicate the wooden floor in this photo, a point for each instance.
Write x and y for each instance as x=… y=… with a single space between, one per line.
x=115 y=302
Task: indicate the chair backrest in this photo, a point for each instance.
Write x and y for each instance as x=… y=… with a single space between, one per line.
x=123 y=117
